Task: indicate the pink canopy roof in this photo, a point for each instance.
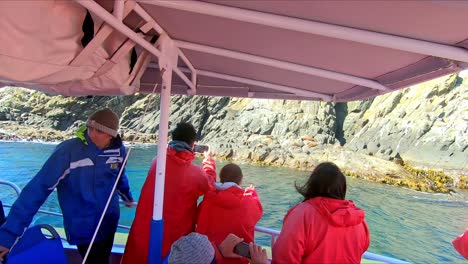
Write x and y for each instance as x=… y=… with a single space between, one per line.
x=307 y=50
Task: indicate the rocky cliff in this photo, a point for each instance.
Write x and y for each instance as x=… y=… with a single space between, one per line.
x=423 y=126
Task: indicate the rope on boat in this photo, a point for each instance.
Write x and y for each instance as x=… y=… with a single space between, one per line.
x=117 y=180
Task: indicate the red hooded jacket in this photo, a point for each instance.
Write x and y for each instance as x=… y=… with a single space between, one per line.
x=184 y=184
x=461 y=244
x=322 y=230
x=232 y=210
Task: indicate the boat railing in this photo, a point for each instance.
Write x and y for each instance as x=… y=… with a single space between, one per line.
x=46 y=212
x=12 y=185
x=260 y=229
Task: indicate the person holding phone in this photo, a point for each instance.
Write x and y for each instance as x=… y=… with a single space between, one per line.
x=184 y=184
x=197 y=248
x=230 y=201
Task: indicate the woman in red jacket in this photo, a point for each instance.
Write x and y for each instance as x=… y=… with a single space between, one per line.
x=324 y=228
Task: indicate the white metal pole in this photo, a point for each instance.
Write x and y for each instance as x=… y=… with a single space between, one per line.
x=141 y=12
x=118 y=9
x=162 y=144
x=122 y=28
x=273 y=86
x=111 y=195
x=167 y=62
x=283 y=88
x=118 y=25
x=318 y=28
x=284 y=65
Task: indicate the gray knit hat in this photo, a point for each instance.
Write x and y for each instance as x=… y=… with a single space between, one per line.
x=105 y=121
x=192 y=248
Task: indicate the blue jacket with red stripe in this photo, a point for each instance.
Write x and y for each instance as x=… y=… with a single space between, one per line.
x=84 y=176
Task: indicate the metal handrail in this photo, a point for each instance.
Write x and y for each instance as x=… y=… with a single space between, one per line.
x=264 y=230
x=12 y=185
x=59 y=214
x=18 y=191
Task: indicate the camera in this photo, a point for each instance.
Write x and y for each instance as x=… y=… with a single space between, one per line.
x=200 y=148
x=242 y=249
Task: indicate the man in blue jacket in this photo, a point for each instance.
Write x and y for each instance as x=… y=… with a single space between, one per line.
x=84 y=170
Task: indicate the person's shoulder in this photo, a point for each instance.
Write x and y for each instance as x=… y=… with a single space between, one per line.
x=302 y=209
x=71 y=143
x=211 y=196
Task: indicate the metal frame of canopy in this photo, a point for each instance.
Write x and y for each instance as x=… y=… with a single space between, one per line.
x=168 y=51
x=457 y=56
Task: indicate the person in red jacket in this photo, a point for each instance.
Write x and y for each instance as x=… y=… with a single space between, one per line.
x=461 y=244
x=184 y=184
x=229 y=201
x=324 y=228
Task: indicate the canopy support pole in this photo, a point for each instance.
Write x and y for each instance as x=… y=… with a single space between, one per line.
x=141 y=12
x=110 y=19
x=283 y=88
x=332 y=75
x=118 y=9
x=319 y=28
x=167 y=61
x=296 y=91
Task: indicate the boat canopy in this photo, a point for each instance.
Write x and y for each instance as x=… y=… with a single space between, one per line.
x=334 y=51
x=306 y=50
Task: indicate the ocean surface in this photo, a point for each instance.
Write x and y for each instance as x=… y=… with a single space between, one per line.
x=405 y=224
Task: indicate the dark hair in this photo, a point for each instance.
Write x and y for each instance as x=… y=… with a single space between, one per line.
x=326 y=180
x=231 y=173
x=184 y=132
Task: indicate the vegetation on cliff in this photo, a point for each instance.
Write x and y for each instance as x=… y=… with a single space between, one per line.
x=423 y=127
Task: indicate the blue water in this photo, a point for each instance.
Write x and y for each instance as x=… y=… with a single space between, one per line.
x=405 y=224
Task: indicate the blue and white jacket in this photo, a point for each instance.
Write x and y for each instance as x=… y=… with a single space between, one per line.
x=84 y=176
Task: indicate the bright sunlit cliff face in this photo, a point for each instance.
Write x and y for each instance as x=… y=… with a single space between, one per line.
x=420 y=126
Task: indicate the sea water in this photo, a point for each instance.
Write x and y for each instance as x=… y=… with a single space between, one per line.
x=404 y=224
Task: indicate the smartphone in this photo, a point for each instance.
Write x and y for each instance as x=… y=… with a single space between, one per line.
x=242 y=249
x=200 y=148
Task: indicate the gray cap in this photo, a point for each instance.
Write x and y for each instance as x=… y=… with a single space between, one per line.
x=192 y=248
x=106 y=121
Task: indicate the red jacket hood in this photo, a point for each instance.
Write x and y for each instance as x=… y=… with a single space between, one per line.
x=338 y=212
x=180 y=157
x=228 y=198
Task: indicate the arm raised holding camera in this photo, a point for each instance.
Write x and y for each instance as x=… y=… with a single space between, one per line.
x=209 y=167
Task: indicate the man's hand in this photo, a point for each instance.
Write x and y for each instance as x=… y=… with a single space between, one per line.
x=258 y=254
x=130 y=204
x=3 y=252
x=226 y=248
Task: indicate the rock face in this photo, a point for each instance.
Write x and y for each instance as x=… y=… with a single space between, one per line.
x=425 y=125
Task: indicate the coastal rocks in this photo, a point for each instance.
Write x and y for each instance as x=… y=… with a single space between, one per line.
x=425 y=124
x=376 y=139
x=11 y=131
